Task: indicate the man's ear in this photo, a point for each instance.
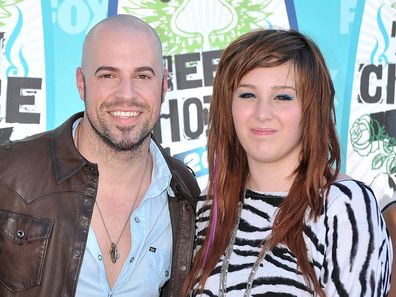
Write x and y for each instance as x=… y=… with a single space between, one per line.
x=80 y=80
x=164 y=85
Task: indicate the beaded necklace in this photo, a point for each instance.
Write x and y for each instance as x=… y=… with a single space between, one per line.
x=226 y=261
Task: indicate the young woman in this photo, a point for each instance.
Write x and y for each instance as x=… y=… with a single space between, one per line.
x=279 y=220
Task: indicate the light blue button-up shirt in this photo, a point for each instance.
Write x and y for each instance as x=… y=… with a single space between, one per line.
x=148 y=265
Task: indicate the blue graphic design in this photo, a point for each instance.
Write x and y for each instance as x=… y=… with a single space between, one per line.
x=112 y=8
x=15 y=33
x=382 y=57
x=196 y=159
x=291 y=14
x=65 y=23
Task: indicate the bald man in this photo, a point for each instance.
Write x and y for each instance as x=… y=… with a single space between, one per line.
x=96 y=207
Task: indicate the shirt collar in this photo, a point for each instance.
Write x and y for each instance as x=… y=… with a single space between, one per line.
x=161 y=175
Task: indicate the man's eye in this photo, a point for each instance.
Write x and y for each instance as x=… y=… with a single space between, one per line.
x=247 y=95
x=107 y=75
x=284 y=97
x=143 y=76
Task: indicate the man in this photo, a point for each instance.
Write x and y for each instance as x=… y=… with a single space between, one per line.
x=95 y=207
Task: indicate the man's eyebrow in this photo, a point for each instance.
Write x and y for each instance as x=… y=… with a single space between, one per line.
x=106 y=68
x=145 y=68
x=114 y=69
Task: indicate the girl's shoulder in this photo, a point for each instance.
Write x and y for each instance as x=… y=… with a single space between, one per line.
x=354 y=194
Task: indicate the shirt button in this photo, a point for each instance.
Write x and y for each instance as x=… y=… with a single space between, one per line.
x=166 y=273
x=137 y=220
x=132 y=259
x=90 y=192
x=20 y=234
x=100 y=257
x=183 y=267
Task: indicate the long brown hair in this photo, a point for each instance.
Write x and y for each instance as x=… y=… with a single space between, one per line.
x=228 y=167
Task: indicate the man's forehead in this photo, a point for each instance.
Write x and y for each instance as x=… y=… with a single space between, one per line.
x=102 y=47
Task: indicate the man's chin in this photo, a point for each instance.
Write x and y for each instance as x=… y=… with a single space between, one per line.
x=126 y=145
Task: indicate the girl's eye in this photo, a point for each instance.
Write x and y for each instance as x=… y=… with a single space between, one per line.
x=247 y=95
x=284 y=97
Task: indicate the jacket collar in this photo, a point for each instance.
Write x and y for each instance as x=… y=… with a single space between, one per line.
x=66 y=159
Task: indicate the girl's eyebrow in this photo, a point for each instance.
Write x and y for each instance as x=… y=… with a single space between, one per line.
x=280 y=87
x=283 y=87
x=247 y=86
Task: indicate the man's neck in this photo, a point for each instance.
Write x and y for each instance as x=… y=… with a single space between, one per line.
x=115 y=165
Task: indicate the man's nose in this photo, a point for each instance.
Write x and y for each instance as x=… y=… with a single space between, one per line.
x=126 y=88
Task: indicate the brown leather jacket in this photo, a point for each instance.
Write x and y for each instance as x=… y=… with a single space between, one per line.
x=47 y=196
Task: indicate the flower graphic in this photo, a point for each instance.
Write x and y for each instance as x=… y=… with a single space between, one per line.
x=368 y=136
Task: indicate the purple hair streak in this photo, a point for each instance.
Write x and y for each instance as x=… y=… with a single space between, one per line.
x=212 y=230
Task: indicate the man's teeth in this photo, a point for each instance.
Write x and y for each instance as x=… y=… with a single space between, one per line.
x=125 y=113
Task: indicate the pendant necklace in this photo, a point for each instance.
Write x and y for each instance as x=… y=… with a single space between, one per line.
x=227 y=256
x=113 y=251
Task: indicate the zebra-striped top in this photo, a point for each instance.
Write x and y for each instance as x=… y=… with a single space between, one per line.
x=348 y=246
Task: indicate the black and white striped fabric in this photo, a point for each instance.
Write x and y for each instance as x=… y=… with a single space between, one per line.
x=348 y=245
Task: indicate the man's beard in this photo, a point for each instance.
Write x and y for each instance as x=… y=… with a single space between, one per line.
x=125 y=144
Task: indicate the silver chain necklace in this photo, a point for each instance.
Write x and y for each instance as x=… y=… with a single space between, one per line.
x=113 y=251
x=226 y=261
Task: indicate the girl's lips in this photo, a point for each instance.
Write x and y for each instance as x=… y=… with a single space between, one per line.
x=264 y=131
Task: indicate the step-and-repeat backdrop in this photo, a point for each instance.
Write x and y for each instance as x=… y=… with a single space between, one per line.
x=41 y=42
